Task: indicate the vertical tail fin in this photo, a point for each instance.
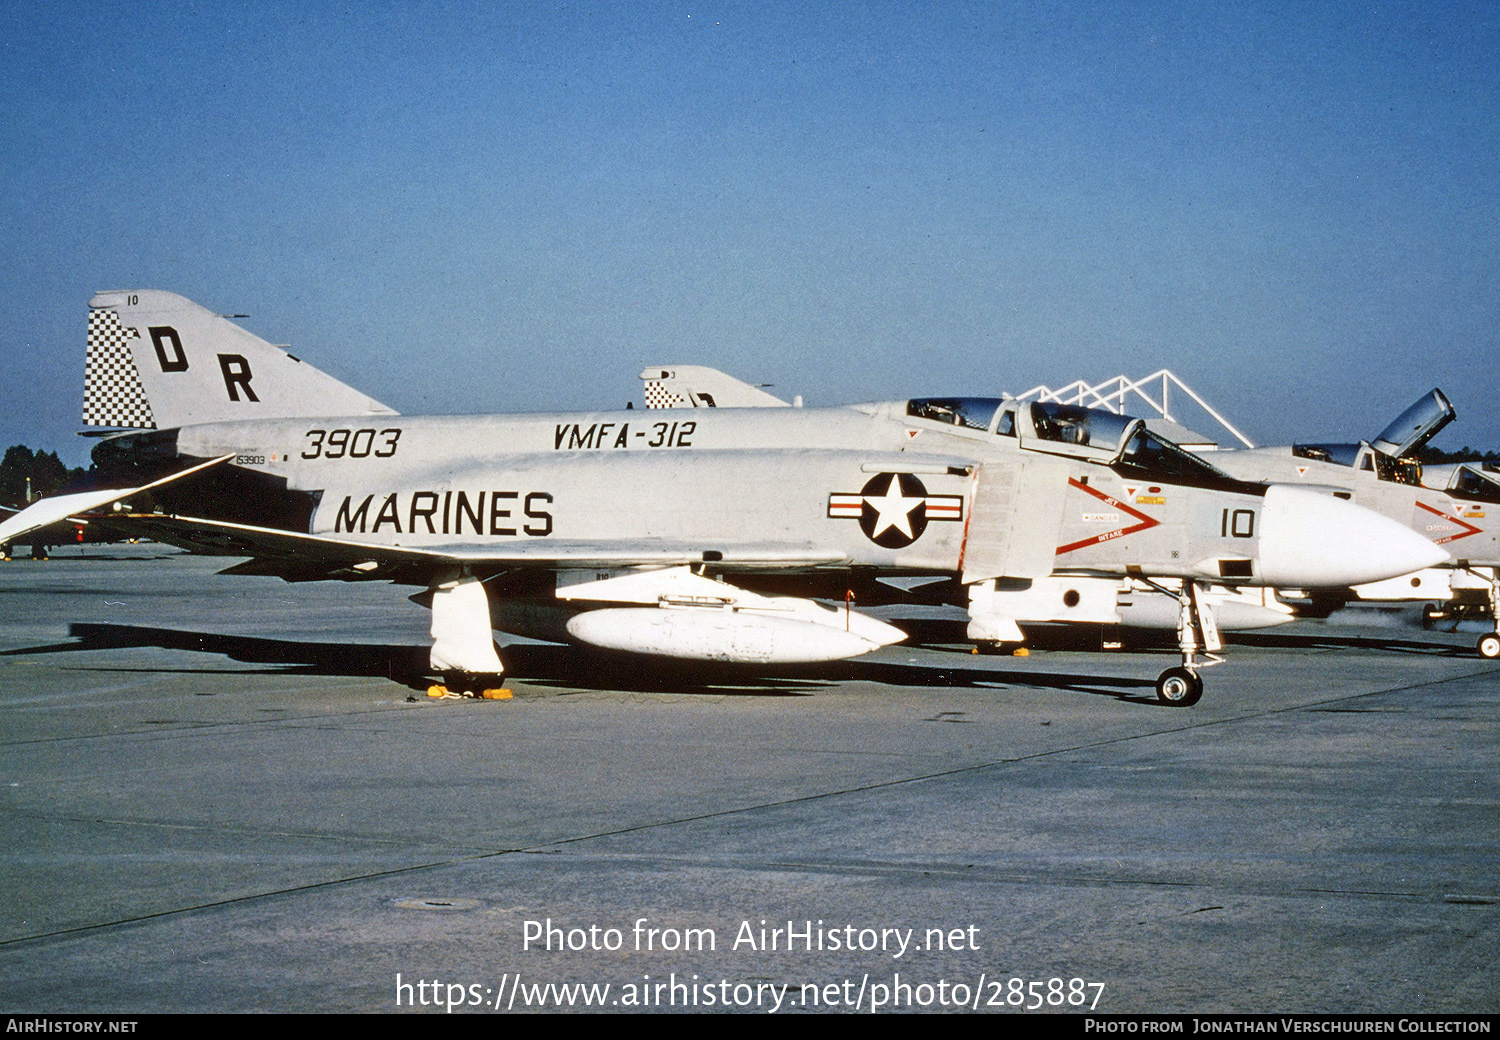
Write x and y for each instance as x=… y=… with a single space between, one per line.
x=156 y=359
x=694 y=386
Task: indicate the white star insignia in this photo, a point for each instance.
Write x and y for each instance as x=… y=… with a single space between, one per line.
x=894 y=509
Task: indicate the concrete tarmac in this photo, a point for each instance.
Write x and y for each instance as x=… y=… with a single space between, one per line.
x=231 y=794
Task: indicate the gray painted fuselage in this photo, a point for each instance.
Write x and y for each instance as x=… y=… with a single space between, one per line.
x=800 y=481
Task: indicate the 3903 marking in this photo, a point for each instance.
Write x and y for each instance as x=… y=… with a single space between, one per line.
x=352 y=444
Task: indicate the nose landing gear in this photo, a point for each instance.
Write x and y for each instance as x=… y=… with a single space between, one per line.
x=1197 y=633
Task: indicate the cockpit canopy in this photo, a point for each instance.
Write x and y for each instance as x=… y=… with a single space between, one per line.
x=1388 y=455
x=1338 y=454
x=1365 y=457
x=1091 y=434
x=974 y=413
x=1477 y=482
x=1064 y=429
x=1102 y=432
x=1416 y=426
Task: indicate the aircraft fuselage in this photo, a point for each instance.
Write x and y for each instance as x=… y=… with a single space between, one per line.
x=869 y=486
x=1467 y=528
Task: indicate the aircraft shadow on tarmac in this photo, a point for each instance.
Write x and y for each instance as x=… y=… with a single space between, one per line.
x=942 y=632
x=551 y=665
x=1323 y=641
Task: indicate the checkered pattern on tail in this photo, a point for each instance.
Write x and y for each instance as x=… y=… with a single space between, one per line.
x=658 y=396
x=112 y=391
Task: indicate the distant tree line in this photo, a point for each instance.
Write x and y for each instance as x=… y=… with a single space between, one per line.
x=47 y=473
x=1436 y=456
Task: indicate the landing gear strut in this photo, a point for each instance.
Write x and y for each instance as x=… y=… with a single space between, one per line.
x=1489 y=643
x=463 y=643
x=1198 y=641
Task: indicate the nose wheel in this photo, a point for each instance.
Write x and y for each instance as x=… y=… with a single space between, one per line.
x=1197 y=640
x=1179 y=688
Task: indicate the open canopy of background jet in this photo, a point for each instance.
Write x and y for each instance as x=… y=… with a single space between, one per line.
x=1390 y=455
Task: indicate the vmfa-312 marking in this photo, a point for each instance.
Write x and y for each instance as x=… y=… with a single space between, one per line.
x=713 y=536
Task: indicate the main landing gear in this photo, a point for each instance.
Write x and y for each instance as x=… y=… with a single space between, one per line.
x=463 y=644
x=1198 y=641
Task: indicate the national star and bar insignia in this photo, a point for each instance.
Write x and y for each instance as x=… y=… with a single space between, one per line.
x=893 y=509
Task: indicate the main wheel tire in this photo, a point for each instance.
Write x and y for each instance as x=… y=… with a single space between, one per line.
x=1488 y=646
x=1179 y=688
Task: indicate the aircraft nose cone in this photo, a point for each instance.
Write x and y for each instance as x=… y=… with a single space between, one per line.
x=1312 y=539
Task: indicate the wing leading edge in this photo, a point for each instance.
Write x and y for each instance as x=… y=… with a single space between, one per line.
x=310 y=557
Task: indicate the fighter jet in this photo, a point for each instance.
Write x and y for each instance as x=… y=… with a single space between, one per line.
x=1457 y=507
x=998 y=610
x=1473 y=493
x=732 y=534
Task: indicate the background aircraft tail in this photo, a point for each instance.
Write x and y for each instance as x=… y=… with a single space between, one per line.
x=694 y=386
x=158 y=360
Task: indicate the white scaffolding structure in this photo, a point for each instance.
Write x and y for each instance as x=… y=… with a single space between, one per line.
x=1114 y=394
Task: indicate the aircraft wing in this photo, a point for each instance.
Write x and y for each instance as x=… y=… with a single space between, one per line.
x=49 y=511
x=311 y=557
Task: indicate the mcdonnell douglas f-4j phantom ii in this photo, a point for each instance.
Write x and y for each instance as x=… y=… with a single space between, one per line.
x=1456 y=506
x=708 y=535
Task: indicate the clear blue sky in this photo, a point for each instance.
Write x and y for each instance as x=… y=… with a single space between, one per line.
x=496 y=207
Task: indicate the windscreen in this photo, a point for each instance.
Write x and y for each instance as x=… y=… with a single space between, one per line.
x=1474 y=484
x=1150 y=457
